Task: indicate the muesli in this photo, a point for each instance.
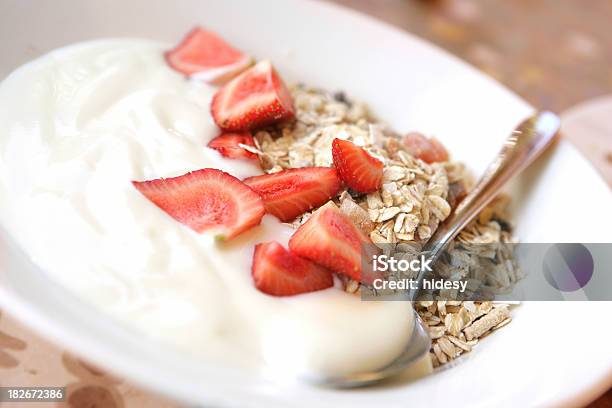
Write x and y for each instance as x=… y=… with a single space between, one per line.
x=419 y=190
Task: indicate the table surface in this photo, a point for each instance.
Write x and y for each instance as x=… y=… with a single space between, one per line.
x=505 y=39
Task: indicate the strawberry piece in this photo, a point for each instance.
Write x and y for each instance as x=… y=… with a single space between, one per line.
x=204 y=55
x=206 y=200
x=429 y=150
x=257 y=97
x=228 y=144
x=359 y=171
x=279 y=272
x=292 y=192
x=330 y=239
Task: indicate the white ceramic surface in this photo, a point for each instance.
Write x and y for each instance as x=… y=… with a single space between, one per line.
x=545 y=357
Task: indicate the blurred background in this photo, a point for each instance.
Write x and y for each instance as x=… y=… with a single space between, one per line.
x=556 y=54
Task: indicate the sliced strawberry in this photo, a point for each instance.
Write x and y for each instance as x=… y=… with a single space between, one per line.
x=330 y=239
x=256 y=98
x=359 y=171
x=206 y=199
x=229 y=145
x=279 y=272
x=429 y=150
x=292 y=192
x=204 y=55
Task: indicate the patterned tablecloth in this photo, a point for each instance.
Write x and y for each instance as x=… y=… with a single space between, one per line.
x=554 y=53
x=28 y=360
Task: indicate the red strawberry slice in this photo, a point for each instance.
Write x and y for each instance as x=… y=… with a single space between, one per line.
x=429 y=150
x=279 y=272
x=257 y=97
x=292 y=192
x=204 y=55
x=229 y=145
x=359 y=171
x=206 y=200
x=330 y=239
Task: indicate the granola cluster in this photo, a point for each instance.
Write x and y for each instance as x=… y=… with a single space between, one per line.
x=456 y=327
x=414 y=199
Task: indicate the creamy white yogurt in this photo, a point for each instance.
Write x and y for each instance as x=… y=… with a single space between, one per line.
x=76 y=126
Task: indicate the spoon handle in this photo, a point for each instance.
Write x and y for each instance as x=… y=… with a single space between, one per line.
x=522 y=147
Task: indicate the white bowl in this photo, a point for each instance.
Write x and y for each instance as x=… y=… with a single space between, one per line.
x=553 y=354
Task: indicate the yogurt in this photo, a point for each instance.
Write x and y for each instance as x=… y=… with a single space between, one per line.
x=76 y=126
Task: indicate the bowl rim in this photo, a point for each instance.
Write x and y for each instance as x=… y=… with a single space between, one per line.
x=34 y=318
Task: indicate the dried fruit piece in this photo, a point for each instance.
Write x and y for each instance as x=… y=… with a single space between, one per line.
x=358 y=215
x=204 y=55
x=292 y=192
x=359 y=171
x=279 y=272
x=206 y=200
x=429 y=150
x=255 y=98
x=456 y=193
x=229 y=145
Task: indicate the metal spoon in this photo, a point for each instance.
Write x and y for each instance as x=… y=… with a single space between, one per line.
x=522 y=147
